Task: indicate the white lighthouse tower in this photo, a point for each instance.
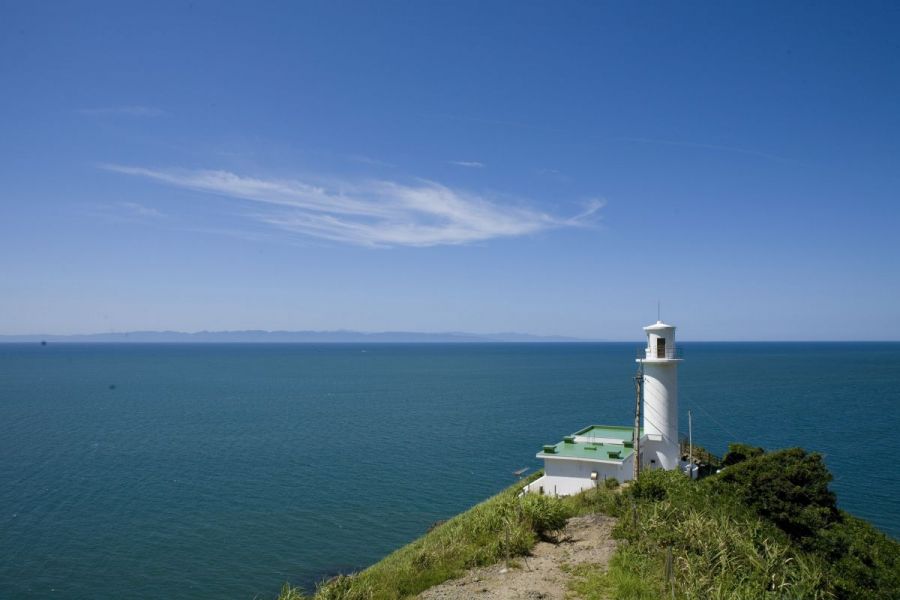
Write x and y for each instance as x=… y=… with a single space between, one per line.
x=660 y=366
x=599 y=452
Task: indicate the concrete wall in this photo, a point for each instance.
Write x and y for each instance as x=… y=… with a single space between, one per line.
x=566 y=477
x=659 y=453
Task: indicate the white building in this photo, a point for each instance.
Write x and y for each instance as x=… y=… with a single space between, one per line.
x=593 y=454
x=660 y=411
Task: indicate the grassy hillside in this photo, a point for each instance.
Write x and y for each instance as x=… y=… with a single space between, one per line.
x=766 y=527
x=502 y=526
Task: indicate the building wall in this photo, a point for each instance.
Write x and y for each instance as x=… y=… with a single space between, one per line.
x=657 y=453
x=564 y=477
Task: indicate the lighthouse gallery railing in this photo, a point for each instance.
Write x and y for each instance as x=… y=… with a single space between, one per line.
x=645 y=352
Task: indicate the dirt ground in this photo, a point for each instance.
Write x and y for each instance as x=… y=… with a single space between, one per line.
x=539 y=576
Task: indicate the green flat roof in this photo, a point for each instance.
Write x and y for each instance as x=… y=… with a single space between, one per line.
x=615 y=432
x=590 y=451
x=595 y=450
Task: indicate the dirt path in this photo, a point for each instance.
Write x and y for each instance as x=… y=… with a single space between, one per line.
x=541 y=576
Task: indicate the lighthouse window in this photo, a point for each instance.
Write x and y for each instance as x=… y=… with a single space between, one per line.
x=660 y=347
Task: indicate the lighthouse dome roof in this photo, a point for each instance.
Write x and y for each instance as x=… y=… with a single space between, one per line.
x=658 y=326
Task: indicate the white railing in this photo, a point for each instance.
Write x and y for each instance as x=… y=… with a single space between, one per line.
x=650 y=353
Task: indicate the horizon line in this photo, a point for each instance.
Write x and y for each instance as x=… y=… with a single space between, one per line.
x=456 y=337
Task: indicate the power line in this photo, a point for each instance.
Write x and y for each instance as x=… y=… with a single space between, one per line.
x=734 y=436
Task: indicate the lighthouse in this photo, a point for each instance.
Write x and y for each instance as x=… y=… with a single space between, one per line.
x=586 y=458
x=660 y=369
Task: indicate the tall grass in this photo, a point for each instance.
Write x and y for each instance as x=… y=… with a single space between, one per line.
x=719 y=549
x=707 y=540
x=503 y=526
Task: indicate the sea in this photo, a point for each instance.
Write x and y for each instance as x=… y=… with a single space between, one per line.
x=225 y=471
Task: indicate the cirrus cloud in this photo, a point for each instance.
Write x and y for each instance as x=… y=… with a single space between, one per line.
x=369 y=213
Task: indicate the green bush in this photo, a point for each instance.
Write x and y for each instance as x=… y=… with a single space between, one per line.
x=651 y=485
x=788 y=487
x=864 y=563
x=738 y=453
x=611 y=483
x=544 y=515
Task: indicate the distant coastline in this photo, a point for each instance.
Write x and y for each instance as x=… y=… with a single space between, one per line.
x=262 y=336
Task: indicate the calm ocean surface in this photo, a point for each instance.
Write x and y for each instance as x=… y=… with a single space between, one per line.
x=223 y=471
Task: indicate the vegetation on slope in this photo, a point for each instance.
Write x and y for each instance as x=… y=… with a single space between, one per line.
x=766 y=527
x=485 y=534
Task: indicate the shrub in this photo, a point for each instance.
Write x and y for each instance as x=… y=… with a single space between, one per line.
x=545 y=515
x=864 y=563
x=650 y=485
x=788 y=487
x=611 y=483
x=738 y=453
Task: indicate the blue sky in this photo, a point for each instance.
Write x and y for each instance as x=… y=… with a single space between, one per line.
x=553 y=168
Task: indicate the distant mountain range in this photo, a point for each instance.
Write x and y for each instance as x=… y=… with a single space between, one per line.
x=259 y=336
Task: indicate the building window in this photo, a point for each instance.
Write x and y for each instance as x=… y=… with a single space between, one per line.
x=660 y=347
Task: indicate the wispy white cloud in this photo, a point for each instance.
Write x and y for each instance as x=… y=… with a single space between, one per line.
x=124 y=212
x=472 y=164
x=139 y=210
x=370 y=213
x=128 y=111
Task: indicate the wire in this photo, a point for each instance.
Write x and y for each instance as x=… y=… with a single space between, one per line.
x=734 y=437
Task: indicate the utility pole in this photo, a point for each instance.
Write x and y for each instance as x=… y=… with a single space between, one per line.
x=638 y=389
x=690 y=446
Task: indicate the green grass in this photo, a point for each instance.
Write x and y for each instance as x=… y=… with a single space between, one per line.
x=719 y=549
x=587 y=581
x=766 y=528
x=503 y=526
x=626 y=576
